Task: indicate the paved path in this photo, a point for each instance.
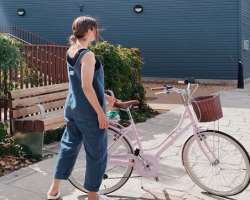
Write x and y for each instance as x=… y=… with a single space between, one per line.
x=32 y=182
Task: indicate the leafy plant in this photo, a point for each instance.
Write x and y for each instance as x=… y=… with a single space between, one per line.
x=10 y=56
x=13 y=155
x=3 y=132
x=9 y=52
x=122 y=68
x=53 y=135
x=8 y=144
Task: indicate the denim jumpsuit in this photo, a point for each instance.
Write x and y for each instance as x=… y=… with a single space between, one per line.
x=82 y=127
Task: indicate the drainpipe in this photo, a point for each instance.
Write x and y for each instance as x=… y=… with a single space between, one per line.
x=240 y=75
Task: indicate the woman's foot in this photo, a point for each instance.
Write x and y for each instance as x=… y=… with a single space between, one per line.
x=53 y=195
x=54 y=192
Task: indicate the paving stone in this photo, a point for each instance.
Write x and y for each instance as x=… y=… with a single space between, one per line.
x=32 y=182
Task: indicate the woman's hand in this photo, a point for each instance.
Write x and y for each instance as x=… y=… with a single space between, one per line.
x=103 y=120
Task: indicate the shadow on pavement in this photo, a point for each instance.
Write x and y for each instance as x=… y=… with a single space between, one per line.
x=217 y=197
x=121 y=197
x=147 y=195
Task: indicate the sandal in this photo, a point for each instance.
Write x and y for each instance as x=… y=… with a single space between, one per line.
x=57 y=197
x=102 y=197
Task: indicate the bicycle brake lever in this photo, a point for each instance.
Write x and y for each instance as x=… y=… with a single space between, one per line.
x=168 y=87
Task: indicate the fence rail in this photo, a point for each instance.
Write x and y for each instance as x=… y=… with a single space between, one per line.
x=23 y=35
x=44 y=65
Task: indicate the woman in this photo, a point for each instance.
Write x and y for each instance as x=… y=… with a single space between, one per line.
x=85 y=112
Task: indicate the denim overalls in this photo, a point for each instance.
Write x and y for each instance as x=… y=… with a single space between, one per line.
x=82 y=127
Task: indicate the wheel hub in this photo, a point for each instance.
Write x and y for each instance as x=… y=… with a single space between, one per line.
x=215 y=163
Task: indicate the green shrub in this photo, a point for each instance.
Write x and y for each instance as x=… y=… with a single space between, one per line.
x=8 y=144
x=3 y=132
x=122 y=68
x=53 y=135
x=10 y=56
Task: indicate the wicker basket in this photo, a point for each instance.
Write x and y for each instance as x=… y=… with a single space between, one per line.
x=207 y=108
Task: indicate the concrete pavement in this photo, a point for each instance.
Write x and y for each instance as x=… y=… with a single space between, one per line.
x=32 y=182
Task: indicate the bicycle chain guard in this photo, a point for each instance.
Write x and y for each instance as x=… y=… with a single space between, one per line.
x=147 y=166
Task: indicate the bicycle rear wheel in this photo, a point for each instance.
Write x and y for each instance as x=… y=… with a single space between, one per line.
x=115 y=175
x=229 y=171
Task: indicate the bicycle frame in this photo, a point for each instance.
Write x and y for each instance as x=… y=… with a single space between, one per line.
x=170 y=139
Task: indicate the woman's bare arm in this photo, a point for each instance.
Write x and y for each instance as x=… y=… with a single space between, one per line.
x=87 y=73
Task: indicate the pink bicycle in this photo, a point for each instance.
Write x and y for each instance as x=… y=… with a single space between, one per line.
x=214 y=160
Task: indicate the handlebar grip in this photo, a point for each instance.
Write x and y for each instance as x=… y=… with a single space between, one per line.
x=187 y=81
x=169 y=87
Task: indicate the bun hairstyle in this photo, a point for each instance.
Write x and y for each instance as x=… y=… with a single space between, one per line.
x=72 y=39
x=80 y=27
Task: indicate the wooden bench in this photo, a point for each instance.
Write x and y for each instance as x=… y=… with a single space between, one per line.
x=37 y=110
x=33 y=111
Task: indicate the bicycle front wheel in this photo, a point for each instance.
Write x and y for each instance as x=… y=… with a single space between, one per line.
x=115 y=175
x=226 y=173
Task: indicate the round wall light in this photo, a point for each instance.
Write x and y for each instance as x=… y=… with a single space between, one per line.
x=20 y=12
x=138 y=9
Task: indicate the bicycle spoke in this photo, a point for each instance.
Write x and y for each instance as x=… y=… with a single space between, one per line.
x=116 y=174
x=227 y=174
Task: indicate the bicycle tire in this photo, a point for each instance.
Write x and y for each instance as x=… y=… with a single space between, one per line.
x=240 y=147
x=80 y=186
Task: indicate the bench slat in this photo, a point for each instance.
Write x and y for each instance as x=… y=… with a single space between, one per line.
x=51 y=114
x=38 y=99
x=33 y=109
x=54 y=126
x=38 y=90
x=24 y=102
x=29 y=126
x=35 y=123
x=54 y=123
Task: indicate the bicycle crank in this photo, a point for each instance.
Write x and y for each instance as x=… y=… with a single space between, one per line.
x=147 y=166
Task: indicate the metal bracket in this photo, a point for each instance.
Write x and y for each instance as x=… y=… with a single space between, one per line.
x=42 y=110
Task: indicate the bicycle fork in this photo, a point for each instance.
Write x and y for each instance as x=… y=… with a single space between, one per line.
x=210 y=155
x=202 y=138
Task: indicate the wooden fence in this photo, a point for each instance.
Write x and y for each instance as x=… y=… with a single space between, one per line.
x=43 y=65
x=48 y=62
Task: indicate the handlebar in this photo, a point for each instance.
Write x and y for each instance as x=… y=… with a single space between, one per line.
x=166 y=89
x=158 y=88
